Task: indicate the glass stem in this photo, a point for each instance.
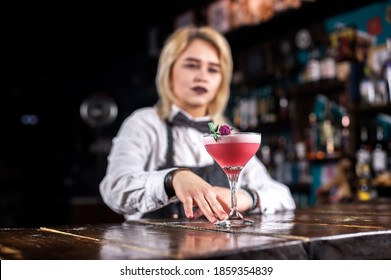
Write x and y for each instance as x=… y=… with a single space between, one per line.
x=233 y=183
x=234 y=199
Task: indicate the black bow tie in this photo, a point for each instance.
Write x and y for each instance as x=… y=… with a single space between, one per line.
x=181 y=120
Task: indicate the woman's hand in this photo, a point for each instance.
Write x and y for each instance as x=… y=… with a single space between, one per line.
x=192 y=191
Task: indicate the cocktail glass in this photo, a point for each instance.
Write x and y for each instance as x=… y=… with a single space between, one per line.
x=232 y=152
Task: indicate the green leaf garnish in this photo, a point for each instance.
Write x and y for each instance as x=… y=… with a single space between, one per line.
x=214 y=130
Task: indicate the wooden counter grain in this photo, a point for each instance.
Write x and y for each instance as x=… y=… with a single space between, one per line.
x=346 y=231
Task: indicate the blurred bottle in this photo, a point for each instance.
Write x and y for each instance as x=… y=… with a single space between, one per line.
x=373 y=88
x=328 y=68
x=379 y=154
x=363 y=168
x=367 y=87
x=313 y=67
x=387 y=69
x=312 y=136
x=328 y=131
x=364 y=187
x=302 y=163
x=252 y=112
x=389 y=155
x=345 y=134
x=279 y=159
x=283 y=104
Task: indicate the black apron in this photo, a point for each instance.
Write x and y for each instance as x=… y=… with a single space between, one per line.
x=213 y=174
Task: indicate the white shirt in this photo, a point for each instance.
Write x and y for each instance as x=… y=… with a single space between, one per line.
x=133 y=185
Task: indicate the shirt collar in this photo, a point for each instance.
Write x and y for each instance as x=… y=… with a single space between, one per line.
x=175 y=110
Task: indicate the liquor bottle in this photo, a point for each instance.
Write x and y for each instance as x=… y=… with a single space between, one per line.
x=363 y=153
x=363 y=168
x=345 y=134
x=379 y=155
x=328 y=131
x=373 y=88
x=302 y=163
x=367 y=88
x=387 y=69
x=328 y=68
x=279 y=158
x=313 y=69
x=312 y=136
x=389 y=155
x=283 y=104
x=364 y=187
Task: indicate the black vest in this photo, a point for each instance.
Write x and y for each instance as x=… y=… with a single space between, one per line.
x=213 y=174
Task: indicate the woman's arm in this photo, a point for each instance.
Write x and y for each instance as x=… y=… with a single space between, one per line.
x=131 y=183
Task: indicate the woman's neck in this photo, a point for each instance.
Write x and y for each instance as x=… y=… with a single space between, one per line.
x=195 y=112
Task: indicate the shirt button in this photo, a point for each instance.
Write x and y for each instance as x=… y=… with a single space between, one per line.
x=175 y=216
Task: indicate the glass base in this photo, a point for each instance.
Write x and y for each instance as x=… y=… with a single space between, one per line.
x=234 y=222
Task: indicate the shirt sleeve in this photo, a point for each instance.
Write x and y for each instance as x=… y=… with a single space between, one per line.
x=131 y=184
x=274 y=196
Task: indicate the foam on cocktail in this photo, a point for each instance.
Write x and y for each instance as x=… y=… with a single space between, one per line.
x=233 y=138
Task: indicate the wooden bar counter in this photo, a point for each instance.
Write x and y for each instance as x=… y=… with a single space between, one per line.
x=345 y=231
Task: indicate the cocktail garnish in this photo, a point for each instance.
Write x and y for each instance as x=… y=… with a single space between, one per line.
x=225 y=129
x=219 y=130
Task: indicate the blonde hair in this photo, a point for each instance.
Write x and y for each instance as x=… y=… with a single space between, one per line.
x=173 y=48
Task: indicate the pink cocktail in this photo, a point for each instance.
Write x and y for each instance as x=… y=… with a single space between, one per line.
x=232 y=152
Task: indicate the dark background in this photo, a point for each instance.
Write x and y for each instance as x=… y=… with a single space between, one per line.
x=56 y=54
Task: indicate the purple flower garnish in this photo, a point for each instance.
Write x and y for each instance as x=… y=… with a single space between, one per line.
x=219 y=130
x=225 y=130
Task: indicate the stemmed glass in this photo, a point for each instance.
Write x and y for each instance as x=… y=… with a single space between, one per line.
x=232 y=152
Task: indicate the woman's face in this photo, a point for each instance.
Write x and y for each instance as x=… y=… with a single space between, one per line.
x=196 y=77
